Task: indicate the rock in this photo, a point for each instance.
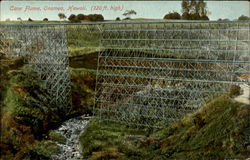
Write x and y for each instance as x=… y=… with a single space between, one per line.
x=71 y=130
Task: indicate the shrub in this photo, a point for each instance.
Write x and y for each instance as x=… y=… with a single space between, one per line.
x=243 y=18
x=174 y=15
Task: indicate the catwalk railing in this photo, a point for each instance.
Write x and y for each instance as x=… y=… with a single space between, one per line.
x=148 y=73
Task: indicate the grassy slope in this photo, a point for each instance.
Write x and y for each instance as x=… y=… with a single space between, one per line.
x=220 y=130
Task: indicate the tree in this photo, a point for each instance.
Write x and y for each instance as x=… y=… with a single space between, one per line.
x=128 y=13
x=243 y=18
x=202 y=8
x=205 y=17
x=174 y=15
x=194 y=10
x=194 y=7
x=91 y=17
x=73 y=18
x=61 y=15
x=186 y=15
x=95 y=17
x=45 y=19
x=118 y=19
x=81 y=17
x=185 y=9
x=30 y=20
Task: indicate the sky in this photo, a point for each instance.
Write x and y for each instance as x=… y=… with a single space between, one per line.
x=37 y=10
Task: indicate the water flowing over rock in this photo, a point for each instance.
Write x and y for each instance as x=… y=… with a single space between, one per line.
x=71 y=130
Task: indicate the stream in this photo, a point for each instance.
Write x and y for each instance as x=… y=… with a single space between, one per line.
x=71 y=130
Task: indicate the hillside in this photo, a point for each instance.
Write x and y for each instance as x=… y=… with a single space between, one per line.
x=220 y=130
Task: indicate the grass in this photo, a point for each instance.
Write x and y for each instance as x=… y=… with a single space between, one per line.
x=219 y=131
x=104 y=141
x=84 y=36
x=43 y=150
x=56 y=137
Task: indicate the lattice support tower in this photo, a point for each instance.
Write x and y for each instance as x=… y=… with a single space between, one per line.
x=153 y=73
x=45 y=48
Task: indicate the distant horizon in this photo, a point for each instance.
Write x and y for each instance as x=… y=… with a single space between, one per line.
x=37 y=10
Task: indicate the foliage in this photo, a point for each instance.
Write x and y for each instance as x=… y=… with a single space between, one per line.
x=243 y=18
x=82 y=17
x=128 y=13
x=194 y=10
x=95 y=17
x=45 y=19
x=26 y=99
x=62 y=15
x=73 y=18
x=174 y=15
x=15 y=138
x=25 y=114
